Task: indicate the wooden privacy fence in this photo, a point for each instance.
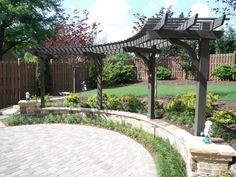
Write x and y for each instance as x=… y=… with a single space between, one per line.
x=16 y=78
x=177 y=73
x=62 y=77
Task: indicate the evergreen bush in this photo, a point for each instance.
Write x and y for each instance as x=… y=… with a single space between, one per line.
x=225 y=72
x=118 y=73
x=163 y=73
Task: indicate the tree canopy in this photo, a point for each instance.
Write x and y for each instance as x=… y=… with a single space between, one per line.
x=227 y=43
x=73 y=30
x=24 y=22
x=227 y=7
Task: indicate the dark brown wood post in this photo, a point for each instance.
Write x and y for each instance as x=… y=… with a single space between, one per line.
x=19 y=78
x=99 y=67
x=42 y=81
x=151 y=86
x=148 y=56
x=200 y=113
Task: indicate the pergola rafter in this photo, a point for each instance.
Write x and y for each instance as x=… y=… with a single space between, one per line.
x=156 y=34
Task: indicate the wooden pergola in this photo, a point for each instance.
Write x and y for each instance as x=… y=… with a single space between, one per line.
x=156 y=34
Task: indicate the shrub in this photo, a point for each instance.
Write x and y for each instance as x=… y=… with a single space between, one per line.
x=179 y=117
x=34 y=97
x=222 y=131
x=118 y=73
x=124 y=73
x=163 y=73
x=186 y=103
x=47 y=99
x=224 y=117
x=123 y=102
x=225 y=72
x=175 y=105
x=71 y=100
x=130 y=103
x=113 y=102
x=92 y=101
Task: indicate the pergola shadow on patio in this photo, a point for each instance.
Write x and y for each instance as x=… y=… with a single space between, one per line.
x=156 y=34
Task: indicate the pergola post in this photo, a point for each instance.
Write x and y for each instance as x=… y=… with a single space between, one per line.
x=151 y=87
x=148 y=56
x=99 y=68
x=42 y=82
x=200 y=112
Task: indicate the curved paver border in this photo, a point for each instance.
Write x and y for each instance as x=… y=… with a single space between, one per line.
x=201 y=159
x=71 y=150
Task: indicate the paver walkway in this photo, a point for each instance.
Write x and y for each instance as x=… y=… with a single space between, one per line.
x=71 y=150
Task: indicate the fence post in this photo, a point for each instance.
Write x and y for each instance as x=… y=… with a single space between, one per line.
x=234 y=59
x=19 y=78
x=42 y=81
x=51 y=74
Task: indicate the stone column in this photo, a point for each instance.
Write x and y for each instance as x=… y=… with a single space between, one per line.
x=27 y=107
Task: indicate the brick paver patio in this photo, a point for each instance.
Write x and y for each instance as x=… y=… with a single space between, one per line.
x=71 y=150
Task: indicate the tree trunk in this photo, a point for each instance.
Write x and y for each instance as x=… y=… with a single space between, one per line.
x=74 y=89
x=2 y=33
x=1 y=56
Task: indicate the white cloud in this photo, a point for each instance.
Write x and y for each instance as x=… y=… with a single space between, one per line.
x=152 y=6
x=169 y=3
x=113 y=16
x=201 y=9
x=155 y=5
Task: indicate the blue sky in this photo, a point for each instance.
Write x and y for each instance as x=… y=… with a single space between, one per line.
x=116 y=16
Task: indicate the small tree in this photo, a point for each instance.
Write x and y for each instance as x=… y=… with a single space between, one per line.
x=73 y=31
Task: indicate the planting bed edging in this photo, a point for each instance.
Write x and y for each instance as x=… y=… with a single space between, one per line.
x=202 y=160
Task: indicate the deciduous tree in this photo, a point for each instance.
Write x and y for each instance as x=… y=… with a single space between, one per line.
x=227 y=43
x=73 y=30
x=227 y=7
x=24 y=22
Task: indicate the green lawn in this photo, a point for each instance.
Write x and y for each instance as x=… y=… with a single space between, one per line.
x=226 y=92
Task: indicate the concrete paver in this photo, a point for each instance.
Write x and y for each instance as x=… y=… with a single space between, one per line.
x=71 y=150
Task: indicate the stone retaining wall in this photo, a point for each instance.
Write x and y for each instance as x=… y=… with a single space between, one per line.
x=202 y=160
